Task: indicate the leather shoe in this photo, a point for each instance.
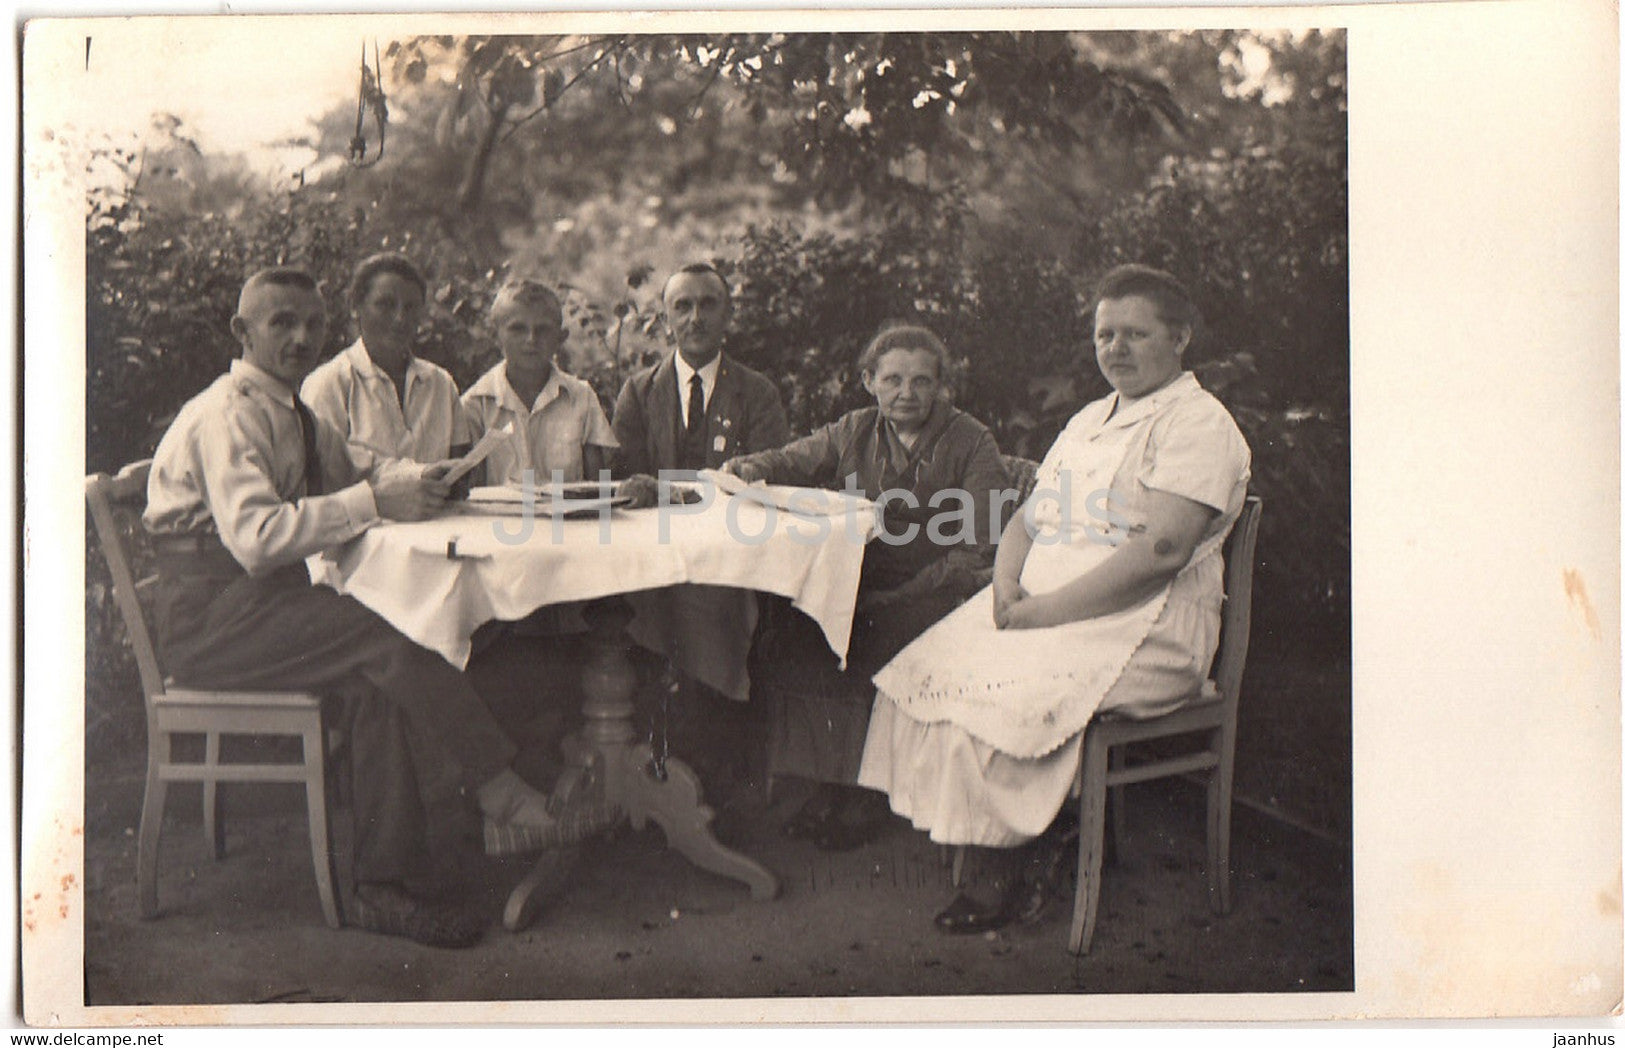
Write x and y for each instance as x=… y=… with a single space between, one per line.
x=858 y=819
x=811 y=818
x=966 y=916
x=838 y=835
x=1034 y=899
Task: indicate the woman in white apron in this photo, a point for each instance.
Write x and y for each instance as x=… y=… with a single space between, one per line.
x=1106 y=596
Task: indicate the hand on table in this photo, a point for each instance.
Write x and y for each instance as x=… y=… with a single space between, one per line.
x=642 y=489
x=746 y=471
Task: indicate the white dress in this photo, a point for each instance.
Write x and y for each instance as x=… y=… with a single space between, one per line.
x=976 y=731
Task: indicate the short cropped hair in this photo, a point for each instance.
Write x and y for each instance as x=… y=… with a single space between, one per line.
x=900 y=334
x=374 y=266
x=700 y=267
x=276 y=276
x=1173 y=302
x=522 y=291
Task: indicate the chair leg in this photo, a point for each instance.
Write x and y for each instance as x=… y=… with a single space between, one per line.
x=1091 y=841
x=1219 y=783
x=337 y=762
x=152 y=823
x=1116 y=758
x=321 y=850
x=213 y=831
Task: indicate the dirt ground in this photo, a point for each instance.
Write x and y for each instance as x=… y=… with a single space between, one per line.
x=632 y=920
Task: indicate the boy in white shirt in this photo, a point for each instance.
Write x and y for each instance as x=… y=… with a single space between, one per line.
x=559 y=427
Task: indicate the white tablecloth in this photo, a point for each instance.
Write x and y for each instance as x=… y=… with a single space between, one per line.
x=437 y=581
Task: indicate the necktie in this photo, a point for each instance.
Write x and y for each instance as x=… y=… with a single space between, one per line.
x=313 y=464
x=696 y=405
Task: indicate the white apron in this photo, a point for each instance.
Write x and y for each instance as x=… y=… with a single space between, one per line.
x=1025 y=692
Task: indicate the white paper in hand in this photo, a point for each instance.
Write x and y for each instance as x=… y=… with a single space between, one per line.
x=479 y=452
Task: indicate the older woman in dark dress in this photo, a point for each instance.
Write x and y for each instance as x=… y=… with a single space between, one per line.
x=939 y=475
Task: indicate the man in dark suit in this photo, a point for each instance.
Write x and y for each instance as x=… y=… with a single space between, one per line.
x=658 y=420
x=695 y=410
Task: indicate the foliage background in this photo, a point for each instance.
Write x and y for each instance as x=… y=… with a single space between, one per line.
x=981 y=181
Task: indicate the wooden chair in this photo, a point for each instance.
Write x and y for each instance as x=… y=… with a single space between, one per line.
x=1104 y=765
x=171 y=711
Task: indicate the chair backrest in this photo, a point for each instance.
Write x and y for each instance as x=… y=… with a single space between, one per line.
x=1236 y=622
x=113 y=501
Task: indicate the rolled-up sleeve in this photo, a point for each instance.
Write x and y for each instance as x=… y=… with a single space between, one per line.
x=1197 y=451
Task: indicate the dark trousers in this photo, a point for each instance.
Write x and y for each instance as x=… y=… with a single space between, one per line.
x=821 y=712
x=419 y=731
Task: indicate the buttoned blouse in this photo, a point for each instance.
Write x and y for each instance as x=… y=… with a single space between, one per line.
x=358 y=398
x=233 y=463
x=548 y=435
x=1178 y=439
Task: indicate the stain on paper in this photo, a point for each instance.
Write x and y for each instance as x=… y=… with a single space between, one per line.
x=1574 y=588
x=1608 y=901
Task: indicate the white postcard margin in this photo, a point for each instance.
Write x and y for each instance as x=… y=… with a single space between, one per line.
x=1484 y=232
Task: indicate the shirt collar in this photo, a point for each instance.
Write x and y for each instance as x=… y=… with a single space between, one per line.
x=495 y=384
x=708 y=374
x=262 y=380
x=366 y=367
x=1182 y=386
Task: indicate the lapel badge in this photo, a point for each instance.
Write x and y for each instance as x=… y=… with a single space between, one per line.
x=719 y=444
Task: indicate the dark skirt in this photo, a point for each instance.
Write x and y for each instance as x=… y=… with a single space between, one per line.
x=819 y=713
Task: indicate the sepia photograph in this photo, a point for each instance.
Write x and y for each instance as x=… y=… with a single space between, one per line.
x=582 y=512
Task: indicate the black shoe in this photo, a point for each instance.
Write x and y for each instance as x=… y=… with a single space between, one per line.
x=811 y=818
x=858 y=821
x=966 y=916
x=1034 y=899
x=1044 y=874
x=387 y=909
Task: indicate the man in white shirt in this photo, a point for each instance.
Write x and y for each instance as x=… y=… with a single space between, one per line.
x=378 y=393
